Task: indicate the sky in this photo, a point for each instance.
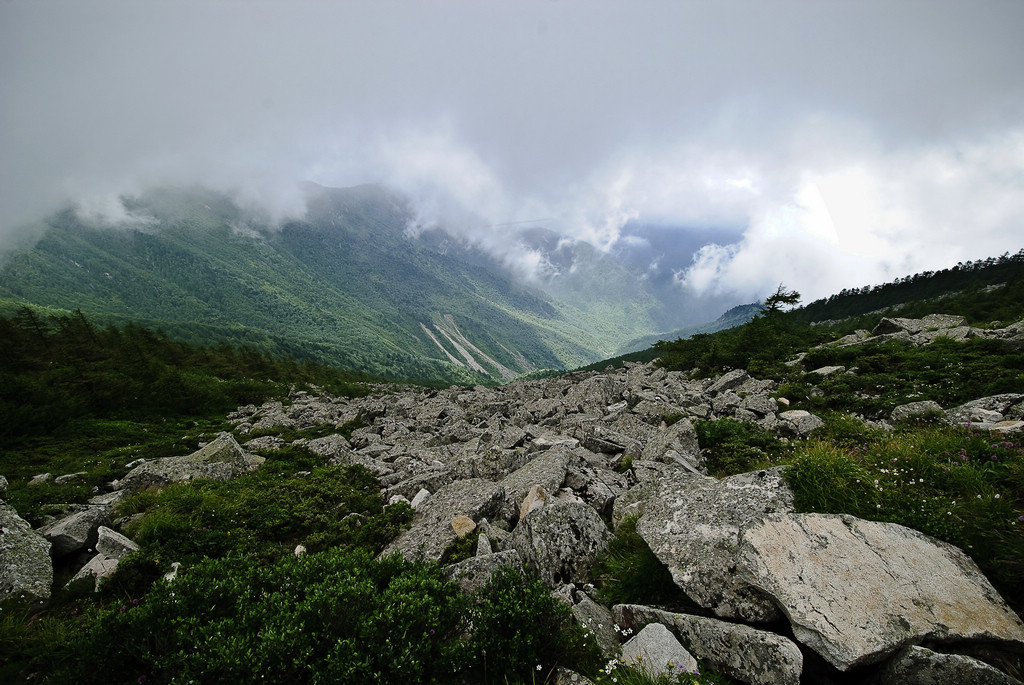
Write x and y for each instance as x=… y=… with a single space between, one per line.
x=822 y=144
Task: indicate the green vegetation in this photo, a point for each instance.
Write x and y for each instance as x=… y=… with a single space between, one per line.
x=345 y=286
x=56 y=369
x=629 y=573
x=962 y=486
x=731 y=446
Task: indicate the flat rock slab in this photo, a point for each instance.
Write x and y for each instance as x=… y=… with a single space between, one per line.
x=547 y=469
x=692 y=524
x=757 y=657
x=856 y=591
x=432 y=531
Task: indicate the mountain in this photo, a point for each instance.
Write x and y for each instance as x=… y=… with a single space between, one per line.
x=346 y=285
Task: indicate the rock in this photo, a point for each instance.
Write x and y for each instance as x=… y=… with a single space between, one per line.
x=221 y=459
x=547 y=469
x=680 y=437
x=828 y=370
x=40 y=479
x=560 y=542
x=916 y=410
x=565 y=676
x=69 y=478
x=3 y=488
x=535 y=500
x=75 y=532
x=655 y=651
x=483 y=545
x=757 y=657
x=547 y=442
x=1007 y=427
x=799 y=422
x=431 y=530
x=983 y=410
x=692 y=524
x=422 y=496
x=855 y=591
x=915 y=665
x=25 y=565
x=112 y=544
x=473 y=573
x=598 y=620
x=91 y=577
x=463 y=526
x=728 y=381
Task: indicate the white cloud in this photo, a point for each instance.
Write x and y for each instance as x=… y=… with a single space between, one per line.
x=851 y=142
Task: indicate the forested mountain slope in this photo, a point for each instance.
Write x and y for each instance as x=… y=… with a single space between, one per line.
x=345 y=285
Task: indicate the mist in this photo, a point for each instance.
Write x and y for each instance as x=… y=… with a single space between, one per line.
x=820 y=144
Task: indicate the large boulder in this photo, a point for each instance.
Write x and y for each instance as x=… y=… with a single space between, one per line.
x=432 y=531
x=692 y=524
x=757 y=657
x=916 y=665
x=75 y=532
x=25 y=565
x=856 y=591
x=560 y=542
x=222 y=459
x=547 y=469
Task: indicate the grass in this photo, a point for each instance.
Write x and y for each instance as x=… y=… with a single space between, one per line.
x=963 y=486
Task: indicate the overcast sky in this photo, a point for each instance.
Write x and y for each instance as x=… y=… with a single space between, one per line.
x=847 y=142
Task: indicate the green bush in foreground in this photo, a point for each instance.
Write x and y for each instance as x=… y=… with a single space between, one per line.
x=331 y=617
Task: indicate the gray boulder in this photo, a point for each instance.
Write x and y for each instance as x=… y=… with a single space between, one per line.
x=799 y=422
x=728 y=381
x=473 y=573
x=983 y=410
x=25 y=565
x=112 y=544
x=856 y=591
x=560 y=542
x=655 y=651
x=680 y=436
x=75 y=532
x=222 y=459
x=598 y=621
x=431 y=530
x=927 y=409
x=92 y=576
x=916 y=665
x=757 y=657
x=692 y=524
x=547 y=469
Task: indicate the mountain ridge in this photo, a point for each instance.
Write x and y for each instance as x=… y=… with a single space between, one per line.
x=346 y=285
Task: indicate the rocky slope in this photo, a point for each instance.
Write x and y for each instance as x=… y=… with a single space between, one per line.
x=538 y=467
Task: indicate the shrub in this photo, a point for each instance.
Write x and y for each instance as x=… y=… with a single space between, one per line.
x=731 y=446
x=518 y=626
x=630 y=573
x=328 y=617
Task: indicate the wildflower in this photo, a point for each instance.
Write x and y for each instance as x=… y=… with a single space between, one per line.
x=997 y=495
x=539 y=667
